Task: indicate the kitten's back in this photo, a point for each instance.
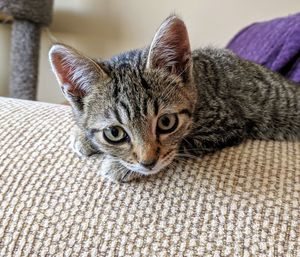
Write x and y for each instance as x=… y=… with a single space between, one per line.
x=263 y=100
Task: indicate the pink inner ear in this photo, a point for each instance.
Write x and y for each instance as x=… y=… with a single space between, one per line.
x=171 y=47
x=65 y=73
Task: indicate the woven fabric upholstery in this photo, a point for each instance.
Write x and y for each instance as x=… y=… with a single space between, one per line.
x=242 y=201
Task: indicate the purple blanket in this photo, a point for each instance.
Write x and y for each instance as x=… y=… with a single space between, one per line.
x=274 y=44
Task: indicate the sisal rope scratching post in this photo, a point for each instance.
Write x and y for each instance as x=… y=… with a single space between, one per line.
x=29 y=16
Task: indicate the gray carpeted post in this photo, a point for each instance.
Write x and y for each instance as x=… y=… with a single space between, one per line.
x=24 y=59
x=29 y=16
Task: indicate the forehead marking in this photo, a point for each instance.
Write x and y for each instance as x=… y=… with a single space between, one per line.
x=186 y=112
x=106 y=114
x=144 y=83
x=117 y=115
x=145 y=106
x=156 y=107
x=116 y=91
x=126 y=109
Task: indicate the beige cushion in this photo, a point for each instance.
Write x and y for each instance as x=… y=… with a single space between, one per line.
x=242 y=201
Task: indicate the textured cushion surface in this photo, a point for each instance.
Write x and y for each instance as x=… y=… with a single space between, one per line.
x=242 y=201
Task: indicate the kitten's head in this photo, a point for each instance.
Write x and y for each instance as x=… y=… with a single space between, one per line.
x=136 y=107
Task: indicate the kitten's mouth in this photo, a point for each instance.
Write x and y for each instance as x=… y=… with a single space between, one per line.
x=139 y=169
x=145 y=171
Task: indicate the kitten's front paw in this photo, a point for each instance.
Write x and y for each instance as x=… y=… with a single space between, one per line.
x=114 y=171
x=80 y=145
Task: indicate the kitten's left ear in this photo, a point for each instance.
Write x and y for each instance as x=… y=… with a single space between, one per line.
x=170 y=48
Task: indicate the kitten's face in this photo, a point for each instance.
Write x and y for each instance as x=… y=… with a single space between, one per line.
x=140 y=119
x=136 y=107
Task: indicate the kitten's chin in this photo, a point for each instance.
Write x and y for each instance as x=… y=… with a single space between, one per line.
x=143 y=171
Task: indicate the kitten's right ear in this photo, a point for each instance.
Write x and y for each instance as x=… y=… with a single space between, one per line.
x=75 y=73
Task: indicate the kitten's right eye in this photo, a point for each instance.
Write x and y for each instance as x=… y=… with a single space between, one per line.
x=167 y=123
x=115 y=135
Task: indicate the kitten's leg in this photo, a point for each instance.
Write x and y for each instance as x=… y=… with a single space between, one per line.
x=198 y=146
x=114 y=171
x=80 y=144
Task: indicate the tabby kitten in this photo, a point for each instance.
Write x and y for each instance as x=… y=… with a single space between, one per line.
x=144 y=108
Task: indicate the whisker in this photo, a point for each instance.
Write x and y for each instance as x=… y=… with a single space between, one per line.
x=126 y=174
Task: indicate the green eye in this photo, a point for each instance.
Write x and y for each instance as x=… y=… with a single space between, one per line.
x=114 y=134
x=167 y=123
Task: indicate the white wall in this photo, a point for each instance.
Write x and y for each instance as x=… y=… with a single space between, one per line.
x=101 y=28
x=4 y=58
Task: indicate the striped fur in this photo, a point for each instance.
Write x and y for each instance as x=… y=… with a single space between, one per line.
x=220 y=100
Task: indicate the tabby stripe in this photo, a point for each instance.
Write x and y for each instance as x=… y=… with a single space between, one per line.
x=216 y=73
x=275 y=113
x=155 y=107
x=106 y=114
x=211 y=92
x=287 y=96
x=145 y=106
x=116 y=91
x=167 y=154
x=137 y=109
x=267 y=92
x=186 y=112
x=145 y=84
x=295 y=100
x=117 y=115
x=205 y=71
x=289 y=107
x=126 y=108
x=91 y=132
x=157 y=151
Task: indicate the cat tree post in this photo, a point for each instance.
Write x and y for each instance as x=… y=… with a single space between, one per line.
x=28 y=18
x=24 y=59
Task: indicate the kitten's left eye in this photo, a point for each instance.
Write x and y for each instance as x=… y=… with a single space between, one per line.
x=167 y=123
x=115 y=134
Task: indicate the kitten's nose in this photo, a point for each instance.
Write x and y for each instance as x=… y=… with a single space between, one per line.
x=149 y=164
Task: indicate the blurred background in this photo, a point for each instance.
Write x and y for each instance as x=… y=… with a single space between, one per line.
x=102 y=28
